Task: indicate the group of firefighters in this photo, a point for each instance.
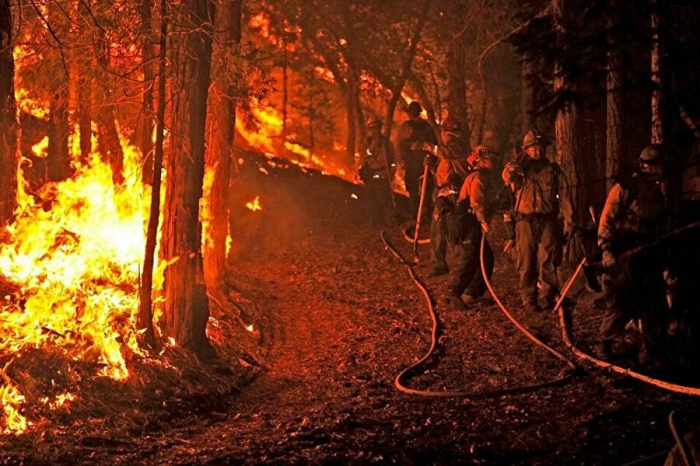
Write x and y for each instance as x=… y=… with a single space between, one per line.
x=534 y=196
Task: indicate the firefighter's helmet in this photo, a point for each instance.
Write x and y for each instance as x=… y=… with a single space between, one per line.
x=652 y=155
x=450 y=124
x=533 y=138
x=414 y=109
x=485 y=152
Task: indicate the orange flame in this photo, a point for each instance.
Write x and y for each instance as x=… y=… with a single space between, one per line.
x=254 y=204
x=75 y=257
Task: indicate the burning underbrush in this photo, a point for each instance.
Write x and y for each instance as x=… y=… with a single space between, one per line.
x=69 y=276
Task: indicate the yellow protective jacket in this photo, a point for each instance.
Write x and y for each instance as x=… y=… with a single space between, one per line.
x=634 y=212
x=540 y=187
x=379 y=155
x=479 y=191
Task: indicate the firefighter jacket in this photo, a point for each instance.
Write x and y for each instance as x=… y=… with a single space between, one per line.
x=634 y=212
x=478 y=193
x=379 y=156
x=415 y=138
x=540 y=188
x=452 y=163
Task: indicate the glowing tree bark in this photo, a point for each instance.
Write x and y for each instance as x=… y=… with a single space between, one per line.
x=615 y=140
x=186 y=306
x=657 y=103
x=145 y=315
x=222 y=106
x=144 y=126
x=107 y=134
x=8 y=117
x=567 y=120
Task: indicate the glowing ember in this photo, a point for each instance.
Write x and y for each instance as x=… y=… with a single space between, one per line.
x=254 y=204
x=249 y=328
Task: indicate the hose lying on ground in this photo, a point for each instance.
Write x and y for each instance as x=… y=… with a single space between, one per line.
x=567 y=339
x=398 y=382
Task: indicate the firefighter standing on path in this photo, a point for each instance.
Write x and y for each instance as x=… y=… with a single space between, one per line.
x=634 y=214
x=416 y=139
x=475 y=206
x=450 y=168
x=542 y=194
x=377 y=171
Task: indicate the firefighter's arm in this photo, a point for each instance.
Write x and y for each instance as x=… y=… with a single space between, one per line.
x=611 y=211
x=478 y=198
x=513 y=173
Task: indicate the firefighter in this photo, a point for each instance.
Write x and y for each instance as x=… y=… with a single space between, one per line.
x=377 y=171
x=475 y=206
x=542 y=195
x=635 y=213
x=450 y=168
x=416 y=139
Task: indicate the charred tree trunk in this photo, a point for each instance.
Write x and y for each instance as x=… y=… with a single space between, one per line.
x=58 y=157
x=186 y=305
x=615 y=122
x=107 y=134
x=144 y=125
x=85 y=116
x=145 y=316
x=567 y=119
x=223 y=119
x=657 y=121
x=527 y=93
x=352 y=124
x=409 y=56
x=8 y=118
x=457 y=83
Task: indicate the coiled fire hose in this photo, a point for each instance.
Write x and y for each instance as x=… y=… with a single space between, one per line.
x=604 y=364
x=398 y=382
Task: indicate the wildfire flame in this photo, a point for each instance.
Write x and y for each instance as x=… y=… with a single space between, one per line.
x=254 y=204
x=74 y=254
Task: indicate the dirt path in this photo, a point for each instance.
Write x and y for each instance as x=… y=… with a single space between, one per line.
x=340 y=319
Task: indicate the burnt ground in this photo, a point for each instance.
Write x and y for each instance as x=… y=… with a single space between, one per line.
x=336 y=318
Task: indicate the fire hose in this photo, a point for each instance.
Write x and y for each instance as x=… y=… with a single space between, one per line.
x=604 y=364
x=399 y=381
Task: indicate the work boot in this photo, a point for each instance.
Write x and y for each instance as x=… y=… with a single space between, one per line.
x=452 y=299
x=470 y=299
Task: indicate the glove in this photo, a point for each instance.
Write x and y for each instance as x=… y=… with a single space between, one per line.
x=515 y=169
x=609 y=260
x=485 y=227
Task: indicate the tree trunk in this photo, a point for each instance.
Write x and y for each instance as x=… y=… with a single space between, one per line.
x=407 y=65
x=352 y=123
x=567 y=121
x=186 y=309
x=144 y=125
x=527 y=97
x=222 y=107
x=145 y=316
x=107 y=134
x=615 y=123
x=457 y=83
x=657 y=126
x=58 y=157
x=8 y=118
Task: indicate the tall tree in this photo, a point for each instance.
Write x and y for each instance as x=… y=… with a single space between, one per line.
x=222 y=108
x=144 y=125
x=615 y=138
x=567 y=120
x=186 y=309
x=145 y=315
x=8 y=117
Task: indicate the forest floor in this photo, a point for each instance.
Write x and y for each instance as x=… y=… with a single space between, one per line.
x=337 y=317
